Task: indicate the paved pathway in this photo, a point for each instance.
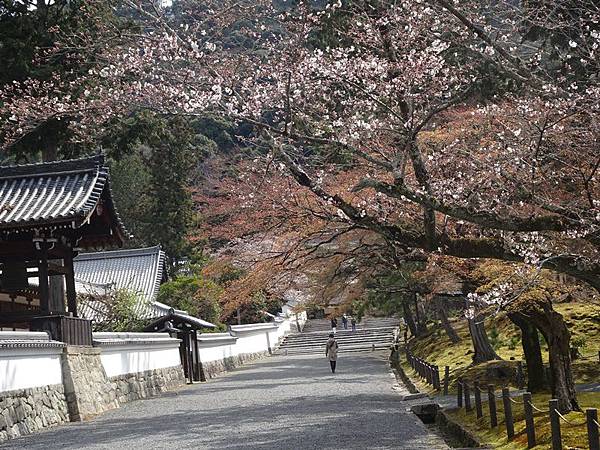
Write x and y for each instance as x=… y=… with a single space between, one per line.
x=276 y=403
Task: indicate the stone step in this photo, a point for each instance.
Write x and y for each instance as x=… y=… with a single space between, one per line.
x=322 y=344
x=371 y=321
x=340 y=341
x=371 y=333
x=340 y=338
x=305 y=351
x=327 y=326
x=345 y=332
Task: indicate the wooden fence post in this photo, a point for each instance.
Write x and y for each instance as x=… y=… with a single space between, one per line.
x=492 y=406
x=459 y=393
x=529 y=423
x=555 y=425
x=478 y=408
x=446 y=379
x=436 y=377
x=508 y=417
x=592 y=428
x=467 y=393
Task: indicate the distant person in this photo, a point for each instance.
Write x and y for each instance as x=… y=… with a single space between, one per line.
x=353 y=323
x=334 y=324
x=345 y=321
x=331 y=350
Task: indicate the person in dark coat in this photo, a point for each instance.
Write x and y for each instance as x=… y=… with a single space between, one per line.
x=345 y=322
x=353 y=323
x=333 y=324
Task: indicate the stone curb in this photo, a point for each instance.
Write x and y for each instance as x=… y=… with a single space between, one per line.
x=442 y=419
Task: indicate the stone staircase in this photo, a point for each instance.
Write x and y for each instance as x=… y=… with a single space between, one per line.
x=371 y=333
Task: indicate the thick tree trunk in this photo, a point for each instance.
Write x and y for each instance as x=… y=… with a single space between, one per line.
x=420 y=314
x=562 y=383
x=536 y=379
x=481 y=344
x=408 y=317
x=556 y=333
x=442 y=313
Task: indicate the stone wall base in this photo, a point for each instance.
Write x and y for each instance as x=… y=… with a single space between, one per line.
x=86 y=384
x=25 y=411
x=135 y=386
x=214 y=368
x=86 y=392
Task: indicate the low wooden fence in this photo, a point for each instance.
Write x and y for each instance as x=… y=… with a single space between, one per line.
x=429 y=372
x=474 y=397
x=463 y=399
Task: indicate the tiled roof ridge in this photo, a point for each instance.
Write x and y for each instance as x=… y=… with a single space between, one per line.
x=111 y=204
x=159 y=271
x=77 y=165
x=143 y=251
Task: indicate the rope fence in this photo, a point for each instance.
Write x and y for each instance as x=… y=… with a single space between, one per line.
x=465 y=390
x=430 y=373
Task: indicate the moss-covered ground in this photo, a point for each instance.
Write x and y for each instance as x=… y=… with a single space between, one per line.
x=583 y=320
x=573 y=437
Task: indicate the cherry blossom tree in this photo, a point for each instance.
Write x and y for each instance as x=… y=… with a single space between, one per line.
x=470 y=130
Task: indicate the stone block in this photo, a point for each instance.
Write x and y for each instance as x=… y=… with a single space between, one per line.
x=8 y=417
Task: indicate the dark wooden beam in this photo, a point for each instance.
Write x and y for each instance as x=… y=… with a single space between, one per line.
x=43 y=283
x=70 y=284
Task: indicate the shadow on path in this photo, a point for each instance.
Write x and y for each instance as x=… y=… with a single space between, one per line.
x=277 y=403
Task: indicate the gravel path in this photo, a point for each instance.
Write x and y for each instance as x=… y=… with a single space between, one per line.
x=276 y=403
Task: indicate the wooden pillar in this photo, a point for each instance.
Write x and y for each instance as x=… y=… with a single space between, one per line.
x=43 y=280
x=478 y=407
x=467 y=393
x=201 y=373
x=492 y=406
x=56 y=288
x=189 y=356
x=529 y=421
x=555 y=425
x=508 y=417
x=194 y=351
x=70 y=285
x=592 y=428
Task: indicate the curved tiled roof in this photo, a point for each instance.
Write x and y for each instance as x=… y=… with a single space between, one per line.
x=139 y=270
x=54 y=193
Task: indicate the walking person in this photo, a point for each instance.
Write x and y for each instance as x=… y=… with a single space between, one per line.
x=353 y=323
x=331 y=350
x=334 y=325
x=345 y=321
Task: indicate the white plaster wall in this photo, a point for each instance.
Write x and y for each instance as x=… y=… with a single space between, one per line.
x=217 y=349
x=23 y=368
x=125 y=353
x=125 y=359
x=255 y=338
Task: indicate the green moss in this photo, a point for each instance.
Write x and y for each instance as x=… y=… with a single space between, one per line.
x=572 y=437
x=583 y=320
